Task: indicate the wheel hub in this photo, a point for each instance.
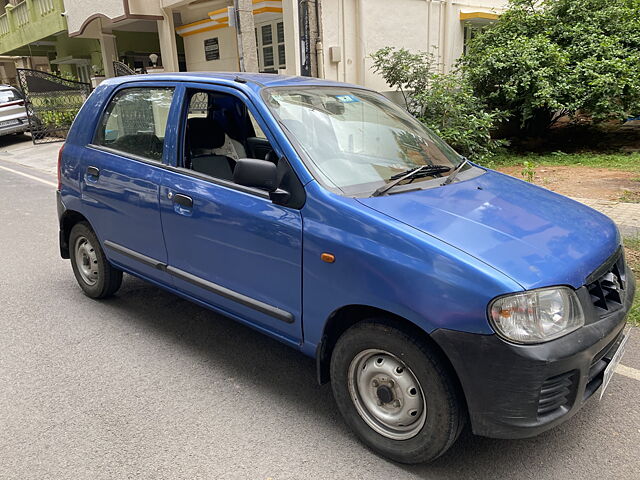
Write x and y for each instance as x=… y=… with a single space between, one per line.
x=86 y=260
x=387 y=394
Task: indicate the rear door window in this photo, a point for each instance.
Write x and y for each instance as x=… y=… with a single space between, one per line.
x=135 y=122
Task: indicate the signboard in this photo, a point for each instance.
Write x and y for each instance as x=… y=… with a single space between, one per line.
x=212 y=49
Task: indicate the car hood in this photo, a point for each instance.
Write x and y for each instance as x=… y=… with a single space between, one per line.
x=536 y=237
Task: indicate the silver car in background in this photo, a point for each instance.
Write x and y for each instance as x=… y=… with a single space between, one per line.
x=13 y=115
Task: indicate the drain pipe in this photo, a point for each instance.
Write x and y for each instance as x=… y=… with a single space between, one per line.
x=320 y=59
x=362 y=52
x=446 y=54
x=306 y=69
x=319 y=46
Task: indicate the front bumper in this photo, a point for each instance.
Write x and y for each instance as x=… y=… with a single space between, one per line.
x=518 y=391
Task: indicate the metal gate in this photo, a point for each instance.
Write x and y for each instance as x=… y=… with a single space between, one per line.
x=121 y=69
x=52 y=103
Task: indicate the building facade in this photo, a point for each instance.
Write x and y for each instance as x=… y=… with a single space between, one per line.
x=33 y=34
x=354 y=29
x=331 y=39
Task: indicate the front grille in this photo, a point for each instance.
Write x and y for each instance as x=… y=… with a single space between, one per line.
x=556 y=392
x=608 y=289
x=598 y=365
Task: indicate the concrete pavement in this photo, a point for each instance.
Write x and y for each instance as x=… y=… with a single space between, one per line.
x=20 y=149
x=626 y=215
x=147 y=385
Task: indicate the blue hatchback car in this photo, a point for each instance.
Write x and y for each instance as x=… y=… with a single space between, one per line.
x=431 y=291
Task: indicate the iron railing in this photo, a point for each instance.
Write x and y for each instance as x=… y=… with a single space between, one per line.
x=121 y=69
x=52 y=103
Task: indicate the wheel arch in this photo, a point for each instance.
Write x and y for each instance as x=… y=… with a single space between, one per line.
x=67 y=221
x=349 y=315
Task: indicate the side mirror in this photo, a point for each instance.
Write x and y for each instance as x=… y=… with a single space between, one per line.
x=252 y=172
x=261 y=174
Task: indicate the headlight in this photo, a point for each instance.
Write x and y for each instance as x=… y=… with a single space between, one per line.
x=537 y=316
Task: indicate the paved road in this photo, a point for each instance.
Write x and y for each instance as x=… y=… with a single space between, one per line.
x=146 y=385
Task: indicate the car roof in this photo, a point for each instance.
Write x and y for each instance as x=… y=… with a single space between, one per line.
x=254 y=81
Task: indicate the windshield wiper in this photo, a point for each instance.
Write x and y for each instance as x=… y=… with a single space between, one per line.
x=452 y=175
x=423 y=171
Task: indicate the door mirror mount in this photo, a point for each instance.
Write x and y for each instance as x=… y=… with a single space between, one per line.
x=279 y=196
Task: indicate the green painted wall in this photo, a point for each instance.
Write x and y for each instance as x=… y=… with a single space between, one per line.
x=37 y=28
x=138 y=42
x=141 y=42
x=78 y=48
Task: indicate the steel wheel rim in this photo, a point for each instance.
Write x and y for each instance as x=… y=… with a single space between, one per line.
x=86 y=260
x=387 y=394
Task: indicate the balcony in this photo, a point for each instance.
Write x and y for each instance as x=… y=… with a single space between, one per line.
x=30 y=21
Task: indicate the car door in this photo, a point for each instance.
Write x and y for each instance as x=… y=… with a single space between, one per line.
x=231 y=246
x=122 y=171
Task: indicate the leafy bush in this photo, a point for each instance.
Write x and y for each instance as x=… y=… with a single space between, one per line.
x=444 y=103
x=55 y=111
x=547 y=58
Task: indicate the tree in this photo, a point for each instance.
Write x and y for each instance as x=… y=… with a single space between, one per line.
x=544 y=59
x=444 y=103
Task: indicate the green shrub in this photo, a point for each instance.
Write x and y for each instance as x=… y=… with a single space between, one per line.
x=55 y=111
x=548 y=58
x=443 y=102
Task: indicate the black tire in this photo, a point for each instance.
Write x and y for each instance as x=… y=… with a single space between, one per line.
x=444 y=415
x=104 y=279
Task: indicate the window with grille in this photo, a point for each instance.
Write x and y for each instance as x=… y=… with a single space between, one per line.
x=271 y=49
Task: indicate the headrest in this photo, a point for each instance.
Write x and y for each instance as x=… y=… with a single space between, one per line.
x=205 y=133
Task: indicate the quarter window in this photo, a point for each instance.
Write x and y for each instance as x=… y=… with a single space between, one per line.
x=135 y=122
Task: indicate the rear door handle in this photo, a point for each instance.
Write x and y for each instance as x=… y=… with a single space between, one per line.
x=93 y=171
x=183 y=200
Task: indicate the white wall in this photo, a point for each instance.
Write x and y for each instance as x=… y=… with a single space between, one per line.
x=413 y=24
x=79 y=10
x=144 y=7
x=194 y=51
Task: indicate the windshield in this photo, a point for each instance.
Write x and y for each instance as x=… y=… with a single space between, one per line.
x=356 y=140
x=9 y=95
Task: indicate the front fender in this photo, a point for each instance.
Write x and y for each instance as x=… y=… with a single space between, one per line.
x=381 y=263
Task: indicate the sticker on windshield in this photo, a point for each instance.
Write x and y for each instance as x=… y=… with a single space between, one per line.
x=346 y=98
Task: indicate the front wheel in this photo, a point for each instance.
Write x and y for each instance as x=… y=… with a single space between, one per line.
x=396 y=392
x=95 y=275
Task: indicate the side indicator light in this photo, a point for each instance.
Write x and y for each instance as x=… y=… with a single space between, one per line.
x=328 y=257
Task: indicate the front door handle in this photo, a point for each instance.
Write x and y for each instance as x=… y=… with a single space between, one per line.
x=183 y=200
x=93 y=171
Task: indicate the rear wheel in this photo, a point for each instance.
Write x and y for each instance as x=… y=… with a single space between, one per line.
x=95 y=275
x=396 y=392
